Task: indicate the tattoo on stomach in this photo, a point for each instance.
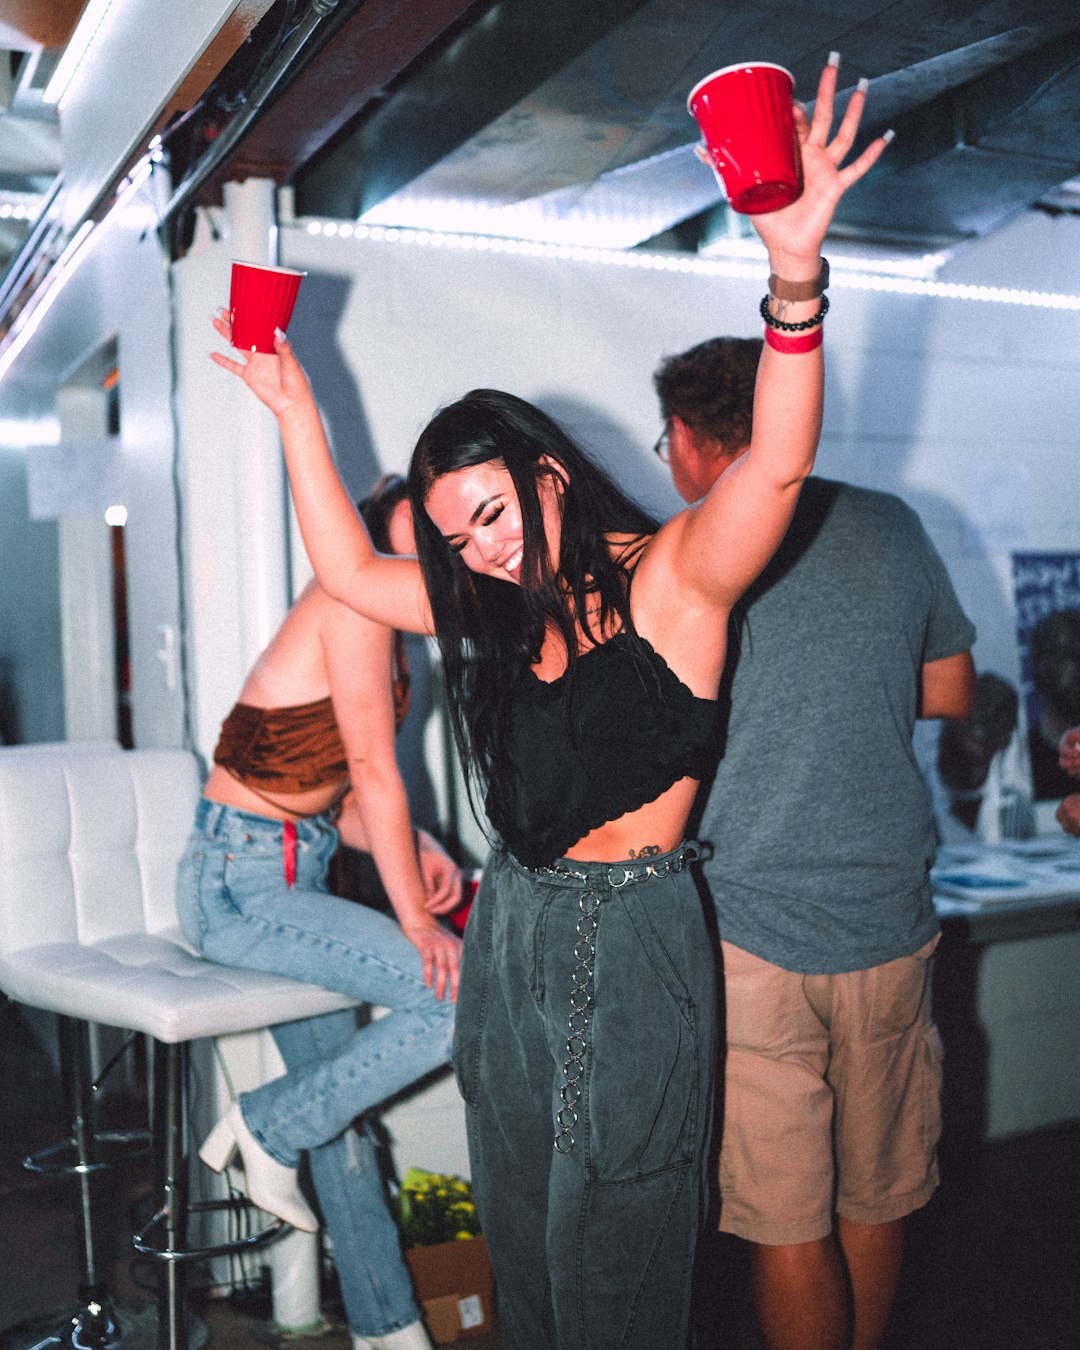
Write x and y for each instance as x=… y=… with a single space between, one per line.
x=649 y=851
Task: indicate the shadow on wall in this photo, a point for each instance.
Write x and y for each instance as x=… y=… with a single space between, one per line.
x=617 y=450
x=870 y=438
x=315 y=333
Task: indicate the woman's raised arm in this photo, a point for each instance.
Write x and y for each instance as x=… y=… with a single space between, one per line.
x=389 y=590
x=722 y=543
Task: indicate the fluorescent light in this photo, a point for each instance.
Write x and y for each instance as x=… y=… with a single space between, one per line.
x=116 y=515
x=75 y=53
x=29 y=320
x=844 y=256
x=19 y=434
x=85 y=239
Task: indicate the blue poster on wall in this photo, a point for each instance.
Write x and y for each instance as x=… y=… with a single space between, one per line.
x=1047 y=591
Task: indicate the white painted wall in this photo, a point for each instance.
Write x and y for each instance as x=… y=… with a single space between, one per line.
x=121 y=291
x=1028 y=1006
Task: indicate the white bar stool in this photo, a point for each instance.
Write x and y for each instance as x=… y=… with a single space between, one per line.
x=88 y=930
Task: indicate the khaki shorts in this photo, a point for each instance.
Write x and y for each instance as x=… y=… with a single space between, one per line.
x=832 y=1097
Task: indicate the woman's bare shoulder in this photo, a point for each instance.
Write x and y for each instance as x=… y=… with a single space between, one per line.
x=681 y=621
x=294 y=668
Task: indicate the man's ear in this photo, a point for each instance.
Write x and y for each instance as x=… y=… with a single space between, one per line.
x=683 y=439
x=699 y=453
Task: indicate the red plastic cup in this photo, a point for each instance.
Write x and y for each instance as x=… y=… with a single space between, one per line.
x=744 y=113
x=261 y=299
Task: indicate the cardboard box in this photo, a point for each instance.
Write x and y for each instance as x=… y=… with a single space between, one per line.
x=455 y=1288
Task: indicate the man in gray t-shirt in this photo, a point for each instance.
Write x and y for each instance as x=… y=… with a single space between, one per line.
x=822 y=840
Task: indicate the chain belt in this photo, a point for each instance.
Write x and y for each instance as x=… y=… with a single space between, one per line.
x=582 y=976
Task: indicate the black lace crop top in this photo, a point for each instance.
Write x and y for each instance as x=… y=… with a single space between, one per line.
x=590 y=747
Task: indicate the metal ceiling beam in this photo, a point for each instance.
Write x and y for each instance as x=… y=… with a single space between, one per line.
x=215 y=162
x=134 y=78
x=576 y=126
x=966 y=161
x=457 y=96
x=367 y=51
x=562 y=111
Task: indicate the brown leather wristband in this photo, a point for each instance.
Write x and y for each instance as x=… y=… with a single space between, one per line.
x=800 y=290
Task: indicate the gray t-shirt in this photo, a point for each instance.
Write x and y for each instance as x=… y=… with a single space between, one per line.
x=818 y=815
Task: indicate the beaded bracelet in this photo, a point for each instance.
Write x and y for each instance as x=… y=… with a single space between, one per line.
x=790 y=346
x=773 y=322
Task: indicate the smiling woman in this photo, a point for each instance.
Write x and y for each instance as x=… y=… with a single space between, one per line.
x=583 y=647
x=486 y=538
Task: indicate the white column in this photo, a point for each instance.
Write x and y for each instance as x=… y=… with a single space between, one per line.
x=263 y=556
x=235 y=541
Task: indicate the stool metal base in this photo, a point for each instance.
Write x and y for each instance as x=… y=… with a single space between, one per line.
x=97 y=1326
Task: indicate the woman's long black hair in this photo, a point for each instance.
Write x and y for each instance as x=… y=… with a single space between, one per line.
x=489 y=631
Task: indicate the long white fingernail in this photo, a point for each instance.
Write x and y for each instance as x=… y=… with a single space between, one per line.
x=834 y=59
x=863 y=85
x=888 y=136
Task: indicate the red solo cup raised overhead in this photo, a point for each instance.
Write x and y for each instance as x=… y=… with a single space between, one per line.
x=744 y=113
x=261 y=299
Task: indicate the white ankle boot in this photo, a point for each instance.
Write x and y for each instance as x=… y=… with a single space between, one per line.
x=270 y=1185
x=412 y=1337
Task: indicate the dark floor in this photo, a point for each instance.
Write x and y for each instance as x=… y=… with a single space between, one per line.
x=993 y=1262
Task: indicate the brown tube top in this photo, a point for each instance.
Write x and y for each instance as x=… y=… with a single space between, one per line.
x=283 y=749
x=297 y=749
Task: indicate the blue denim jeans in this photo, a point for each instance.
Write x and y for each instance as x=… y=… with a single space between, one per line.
x=235 y=907
x=375 y=1286
x=592 y=1241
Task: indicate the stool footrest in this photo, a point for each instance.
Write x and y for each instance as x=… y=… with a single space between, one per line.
x=112 y=1148
x=152 y=1241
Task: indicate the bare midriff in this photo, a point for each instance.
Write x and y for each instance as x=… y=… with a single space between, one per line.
x=222 y=786
x=656 y=827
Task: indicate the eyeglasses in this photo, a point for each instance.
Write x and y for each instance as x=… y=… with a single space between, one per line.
x=662 y=448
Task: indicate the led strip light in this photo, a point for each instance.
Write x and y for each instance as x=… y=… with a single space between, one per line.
x=859 y=278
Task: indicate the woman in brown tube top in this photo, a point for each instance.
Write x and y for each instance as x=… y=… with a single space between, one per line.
x=317 y=715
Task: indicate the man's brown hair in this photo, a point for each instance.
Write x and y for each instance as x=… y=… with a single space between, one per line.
x=711 y=388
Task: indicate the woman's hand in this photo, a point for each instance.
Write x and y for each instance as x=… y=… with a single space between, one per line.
x=794 y=234
x=277 y=379
x=442 y=876
x=440 y=951
x=1068 y=814
x=1069 y=752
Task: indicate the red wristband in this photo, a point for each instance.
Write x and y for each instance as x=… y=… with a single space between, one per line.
x=788 y=343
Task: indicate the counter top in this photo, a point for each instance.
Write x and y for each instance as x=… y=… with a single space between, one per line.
x=1022 y=888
